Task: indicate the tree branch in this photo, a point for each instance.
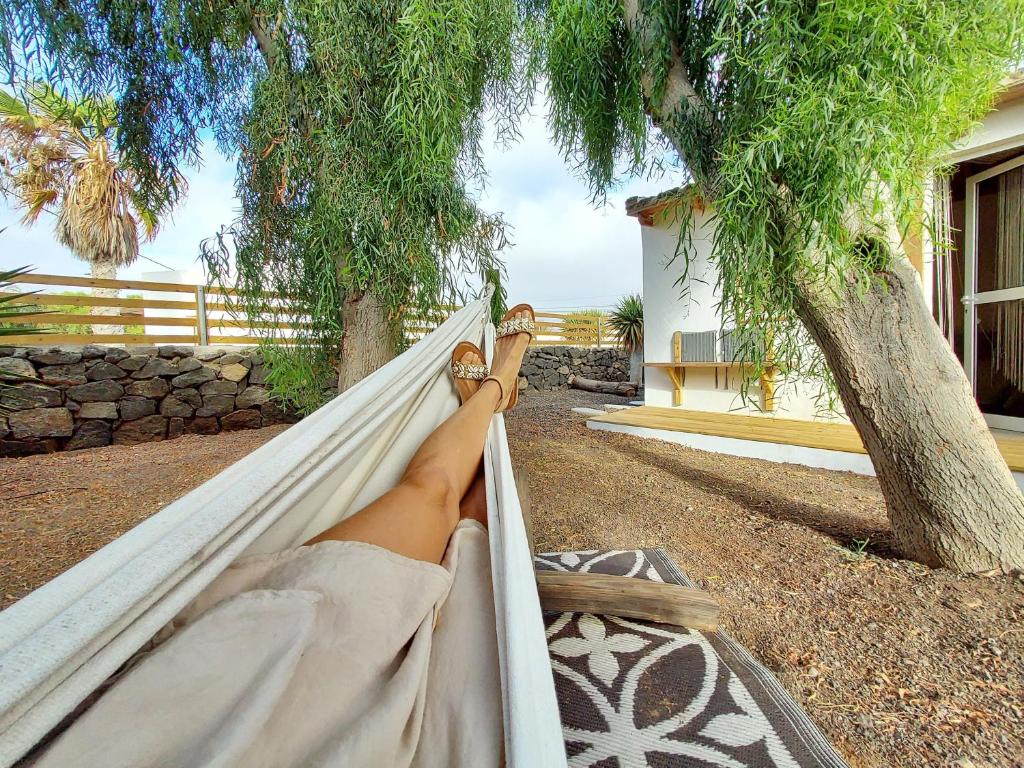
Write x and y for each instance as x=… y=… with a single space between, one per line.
x=680 y=96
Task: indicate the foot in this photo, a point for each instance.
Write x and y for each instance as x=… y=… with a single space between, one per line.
x=508 y=359
x=468 y=355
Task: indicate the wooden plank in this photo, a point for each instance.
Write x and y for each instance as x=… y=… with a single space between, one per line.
x=50 y=299
x=242 y=340
x=54 y=318
x=1012 y=448
x=768 y=429
x=57 y=339
x=700 y=364
x=812 y=434
x=628 y=597
x=33 y=278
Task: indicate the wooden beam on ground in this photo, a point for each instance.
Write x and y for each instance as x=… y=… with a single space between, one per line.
x=628 y=597
x=623 y=388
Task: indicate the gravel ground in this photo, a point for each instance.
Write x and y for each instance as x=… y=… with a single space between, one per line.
x=56 y=509
x=900 y=665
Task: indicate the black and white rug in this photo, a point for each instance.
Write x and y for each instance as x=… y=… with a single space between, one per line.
x=635 y=694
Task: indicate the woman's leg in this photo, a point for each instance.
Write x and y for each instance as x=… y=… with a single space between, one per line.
x=416 y=518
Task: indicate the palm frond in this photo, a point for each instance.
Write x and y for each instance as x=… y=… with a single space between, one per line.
x=56 y=154
x=15 y=110
x=11 y=304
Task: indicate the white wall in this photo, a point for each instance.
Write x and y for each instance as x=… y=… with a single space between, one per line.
x=667 y=309
x=193 y=275
x=1003 y=128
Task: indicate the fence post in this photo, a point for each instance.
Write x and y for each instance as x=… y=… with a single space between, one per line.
x=599 y=333
x=204 y=336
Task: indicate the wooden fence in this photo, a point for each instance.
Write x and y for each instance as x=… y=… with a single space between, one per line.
x=183 y=313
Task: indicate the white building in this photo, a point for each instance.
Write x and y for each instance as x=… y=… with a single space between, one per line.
x=975 y=288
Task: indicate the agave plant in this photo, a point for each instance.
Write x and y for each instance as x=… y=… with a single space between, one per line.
x=12 y=305
x=627 y=324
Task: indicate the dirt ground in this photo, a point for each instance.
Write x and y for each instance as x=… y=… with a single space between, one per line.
x=58 y=508
x=900 y=665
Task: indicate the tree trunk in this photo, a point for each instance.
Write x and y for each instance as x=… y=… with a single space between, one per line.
x=369 y=339
x=952 y=500
x=105 y=270
x=636 y=366
x=622 y=388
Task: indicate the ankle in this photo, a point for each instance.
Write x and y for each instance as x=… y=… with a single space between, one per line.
x=491 y=390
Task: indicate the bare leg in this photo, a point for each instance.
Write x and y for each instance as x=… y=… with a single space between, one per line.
x=416 y=518
x=474 y=504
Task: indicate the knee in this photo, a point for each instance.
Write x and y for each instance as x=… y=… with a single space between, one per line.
x=434 y=486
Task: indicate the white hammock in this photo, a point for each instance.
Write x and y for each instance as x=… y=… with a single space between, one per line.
x=60 y=643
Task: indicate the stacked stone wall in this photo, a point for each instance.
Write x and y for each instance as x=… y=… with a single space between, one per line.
x=86 y=397
x=550 y=367
x=91 y=396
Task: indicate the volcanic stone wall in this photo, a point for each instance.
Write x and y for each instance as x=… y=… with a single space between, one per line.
x=86 y=397
x=550 y=367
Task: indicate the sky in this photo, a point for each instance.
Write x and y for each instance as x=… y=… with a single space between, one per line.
x=565 y=253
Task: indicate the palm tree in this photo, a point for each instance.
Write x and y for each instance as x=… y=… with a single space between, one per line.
x=58 y=155
x=627 y=323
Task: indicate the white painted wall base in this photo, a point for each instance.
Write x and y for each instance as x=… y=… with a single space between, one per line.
x=751 y=449
x=781 y=453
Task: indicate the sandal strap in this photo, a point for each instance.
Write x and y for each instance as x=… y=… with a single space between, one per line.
x=514 y=326
x=472 y=371
x=501 y=388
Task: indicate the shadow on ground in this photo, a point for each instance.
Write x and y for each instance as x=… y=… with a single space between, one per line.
x=842 y=527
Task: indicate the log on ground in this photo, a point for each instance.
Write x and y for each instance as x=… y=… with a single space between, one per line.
x=622 y=388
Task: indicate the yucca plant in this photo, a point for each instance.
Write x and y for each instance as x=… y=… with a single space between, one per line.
x=58 y=155
x=627 y=324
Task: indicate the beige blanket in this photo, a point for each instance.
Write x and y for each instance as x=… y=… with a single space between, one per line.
x=324 y=655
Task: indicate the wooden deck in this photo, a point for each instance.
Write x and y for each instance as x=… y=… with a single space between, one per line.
x=811 y=434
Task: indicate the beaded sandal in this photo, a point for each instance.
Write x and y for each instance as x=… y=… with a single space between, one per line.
x=510 y=325
x=467 y=375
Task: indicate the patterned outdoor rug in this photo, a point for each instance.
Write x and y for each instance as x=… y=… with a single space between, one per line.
x=634 y=694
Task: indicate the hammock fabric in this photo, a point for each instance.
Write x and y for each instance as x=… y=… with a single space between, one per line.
x=63 y=641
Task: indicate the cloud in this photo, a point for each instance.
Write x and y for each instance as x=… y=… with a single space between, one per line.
x=566 y=252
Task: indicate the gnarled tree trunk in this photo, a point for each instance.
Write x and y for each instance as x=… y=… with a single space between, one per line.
x=952 y=500
x=369 y=339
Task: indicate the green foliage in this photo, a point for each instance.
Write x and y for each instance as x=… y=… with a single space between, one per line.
x=357 y=125
x=627 y=322
x=811 y=127
x=593 y=68
x=580 y=328
x=10 y=303
x=291 y=378
x=856 y=551
x=74 y=309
